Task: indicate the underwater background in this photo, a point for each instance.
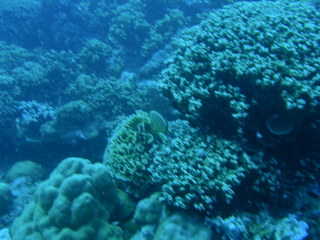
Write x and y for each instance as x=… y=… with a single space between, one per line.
x=159 y=119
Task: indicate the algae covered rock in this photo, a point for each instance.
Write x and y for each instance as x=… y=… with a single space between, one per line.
x=261 y=225
x=76 y=202
x=149 y=210
x=4 y=234
x=181 y=226
x=5 y=197
x=28 y=169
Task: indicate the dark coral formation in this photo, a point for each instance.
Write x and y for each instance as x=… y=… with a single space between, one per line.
x=244 y=63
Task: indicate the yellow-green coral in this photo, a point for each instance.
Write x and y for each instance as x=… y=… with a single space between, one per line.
x=192 y=171
x=127 y=152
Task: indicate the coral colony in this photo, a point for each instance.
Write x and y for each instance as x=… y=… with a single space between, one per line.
x=156 y=120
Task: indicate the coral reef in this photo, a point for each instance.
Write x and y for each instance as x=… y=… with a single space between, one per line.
x=21 y=179
x=259 y=226
x=199 y=172
x=127 y=153
x=60 y=97
x=193 y=172
x=76 y=202
x=26 y=168
x=181 y=226
x=244 y=63
x=31 y=82
x=235 y=156
x=60 y=43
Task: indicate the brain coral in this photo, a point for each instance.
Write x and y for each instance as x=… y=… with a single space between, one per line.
x=76 y=202
x=246 y=62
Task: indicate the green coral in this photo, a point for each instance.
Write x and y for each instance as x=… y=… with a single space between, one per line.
x=245 y=62
x=140 y=33
x=99 y=58
x=198 y=172
x=192 y=171
x=127 y=152
x=76 y=202
x=72 y=120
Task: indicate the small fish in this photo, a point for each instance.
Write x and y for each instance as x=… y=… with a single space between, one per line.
x=158 y=123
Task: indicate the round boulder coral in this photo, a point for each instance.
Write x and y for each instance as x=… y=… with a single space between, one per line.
x=76 y=202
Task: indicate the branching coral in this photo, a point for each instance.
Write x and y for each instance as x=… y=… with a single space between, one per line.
x=246 y=62
x=192 y=171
